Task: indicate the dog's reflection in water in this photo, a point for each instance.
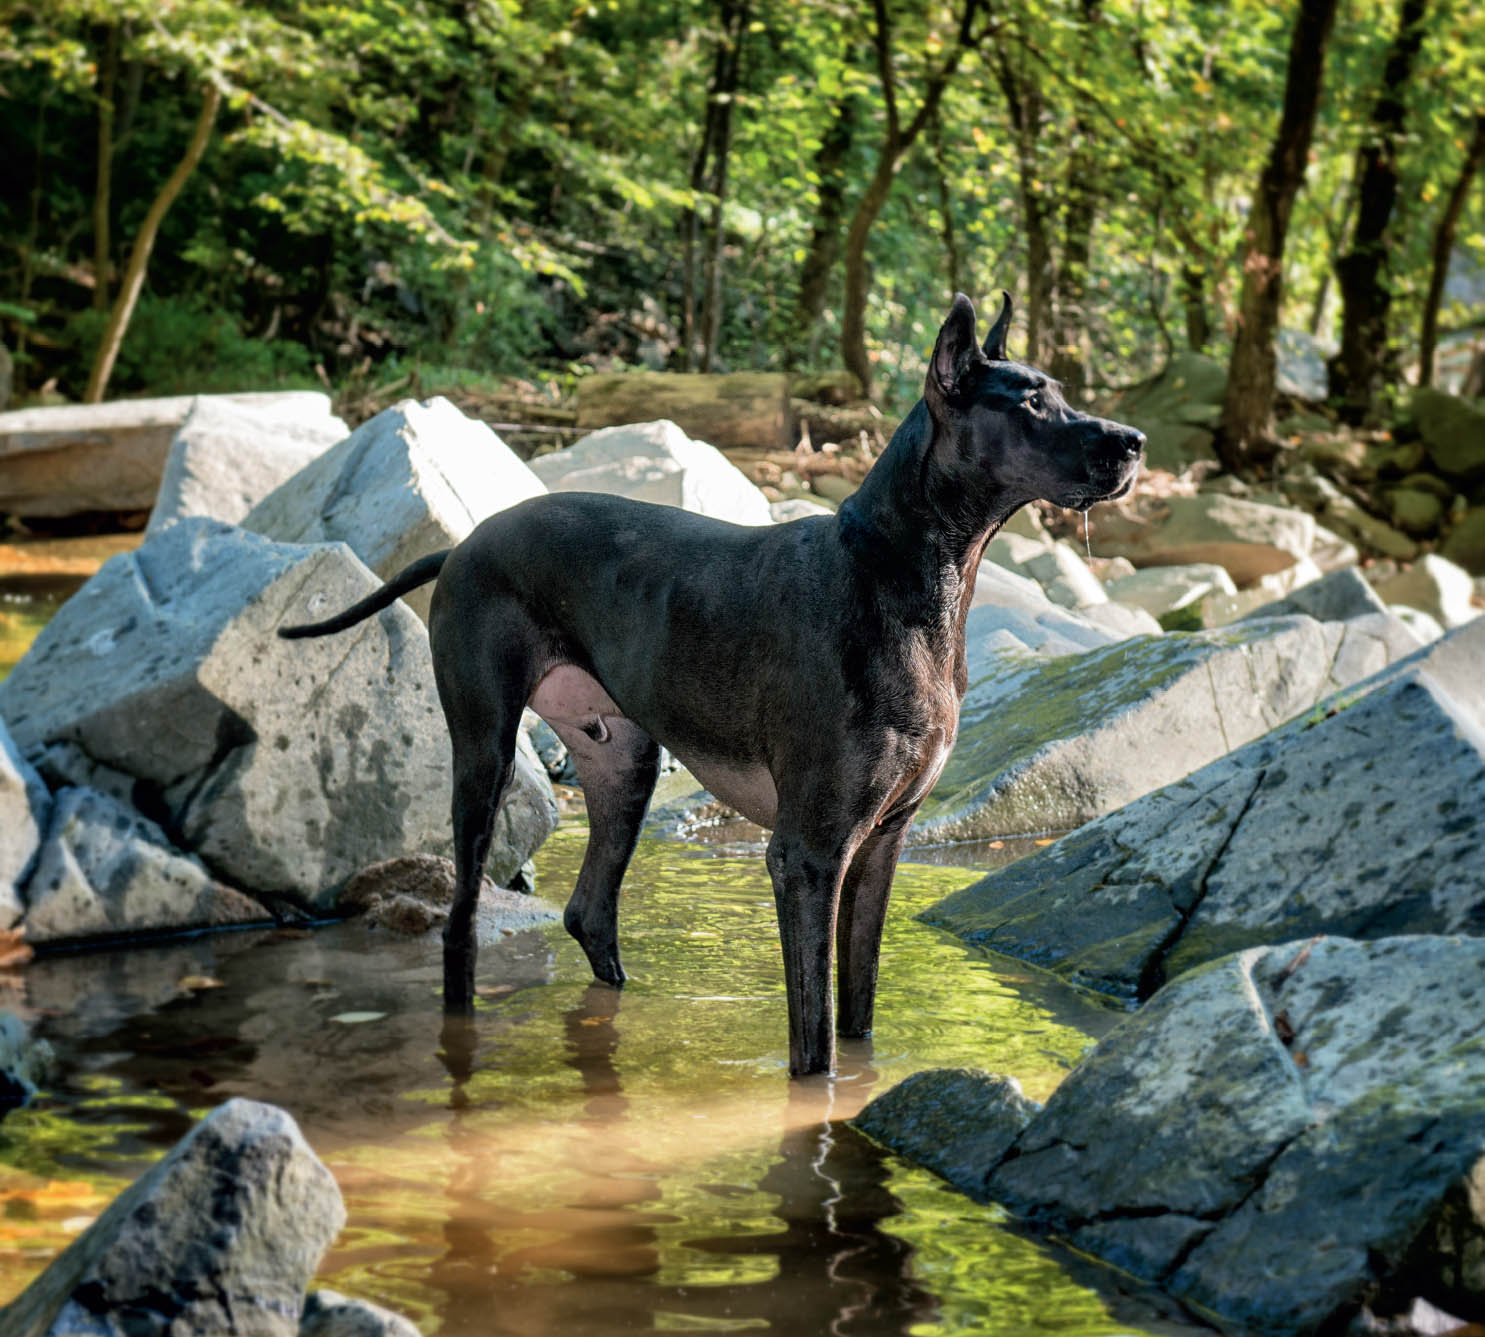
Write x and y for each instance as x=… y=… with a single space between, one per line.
x=608 y=1239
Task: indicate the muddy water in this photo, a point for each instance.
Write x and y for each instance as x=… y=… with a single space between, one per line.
x=579 y=1160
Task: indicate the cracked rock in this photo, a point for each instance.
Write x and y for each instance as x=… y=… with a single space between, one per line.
x=1365 y=817
x=285 y=766
x=414 y=479
x=1054 y=742
x=105 y=871
x=1327 y=1094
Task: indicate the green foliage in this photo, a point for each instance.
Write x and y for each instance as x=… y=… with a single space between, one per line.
x=184 y=345
x=498 y=183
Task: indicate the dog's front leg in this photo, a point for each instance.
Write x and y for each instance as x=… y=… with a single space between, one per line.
x=858 y=935
x=806 y=889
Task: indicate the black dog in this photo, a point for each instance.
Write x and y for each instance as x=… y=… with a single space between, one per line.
x=809 y=674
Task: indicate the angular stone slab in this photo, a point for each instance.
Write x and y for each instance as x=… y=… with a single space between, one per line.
x=24 y=807
x=108 y=457
x=286 y=766
x=221 y=1236
x=1047 y=743
x=1436 y=586
x=1364 y=817
x=1282 y=1137
x=656 y=461
x=105 y=871
x=1336 y=597
x=1162 y=589
x=227 y=457
x=412 y=480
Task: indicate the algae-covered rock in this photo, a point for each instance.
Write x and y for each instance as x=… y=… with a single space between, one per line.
x=1049 y=742
x=1364 y=817
x=1453 y=432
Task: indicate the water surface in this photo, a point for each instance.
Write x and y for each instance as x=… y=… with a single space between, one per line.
x=579 y=1160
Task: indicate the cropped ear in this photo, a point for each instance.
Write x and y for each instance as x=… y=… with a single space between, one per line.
x=956 y=339
x=995 y=340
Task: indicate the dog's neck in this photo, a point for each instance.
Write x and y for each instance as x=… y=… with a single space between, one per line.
x=926 y=524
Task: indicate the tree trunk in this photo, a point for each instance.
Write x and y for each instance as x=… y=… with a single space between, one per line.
x=144 y=243
x=734 y=29
x=1024 y=105
x=1068 y=362
x=1356 y=370
x=108 y=75
x=700 y=302
x=896 y=142
x=1194 y=300
x=824 y=244
x=1443 y=245
x=953 y=256
x=1245 y=434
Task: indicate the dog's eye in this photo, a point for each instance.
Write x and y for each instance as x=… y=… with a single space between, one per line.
x=1033 y=401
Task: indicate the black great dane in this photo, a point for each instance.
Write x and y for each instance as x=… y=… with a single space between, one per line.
x=809 y=674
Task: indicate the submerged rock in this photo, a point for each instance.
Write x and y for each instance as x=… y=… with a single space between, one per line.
x=412 y=894
x=1365 y=817
x=414 y=479
x=1280 y=1138
x=329 y=1314
x=221 y=1236
x=958 y=1122
x=24 y=1062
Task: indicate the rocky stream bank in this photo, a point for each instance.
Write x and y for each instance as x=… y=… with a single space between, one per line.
x=1262 y=709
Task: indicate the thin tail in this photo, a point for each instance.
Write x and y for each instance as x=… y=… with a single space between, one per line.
x=419 y=573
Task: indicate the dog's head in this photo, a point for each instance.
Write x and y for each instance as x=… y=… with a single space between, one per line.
x=1008 y=429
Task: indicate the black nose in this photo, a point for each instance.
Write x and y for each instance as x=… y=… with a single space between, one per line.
x=1133 y=441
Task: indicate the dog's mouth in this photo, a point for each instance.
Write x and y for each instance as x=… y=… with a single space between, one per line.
x=1118 y=483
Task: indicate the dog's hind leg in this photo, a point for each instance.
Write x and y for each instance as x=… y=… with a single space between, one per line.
x=618 y=764
x=482 y=699
x=858 y=925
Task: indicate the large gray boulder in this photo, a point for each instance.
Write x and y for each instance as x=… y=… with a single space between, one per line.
x=24 y=806
x=1281 y=1138
x=221 y=1236
x=227 y=457
x=105 y=871
x=108 y=457
x=1049 y=742
x=414 y=479
x=285 y=766
x=655 y=461
x=1364 y=817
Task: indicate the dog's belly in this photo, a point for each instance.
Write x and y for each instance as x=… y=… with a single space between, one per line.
x=584 y=715
x=748 y=788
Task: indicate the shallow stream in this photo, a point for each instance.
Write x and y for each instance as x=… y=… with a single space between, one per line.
x=590 y=1161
